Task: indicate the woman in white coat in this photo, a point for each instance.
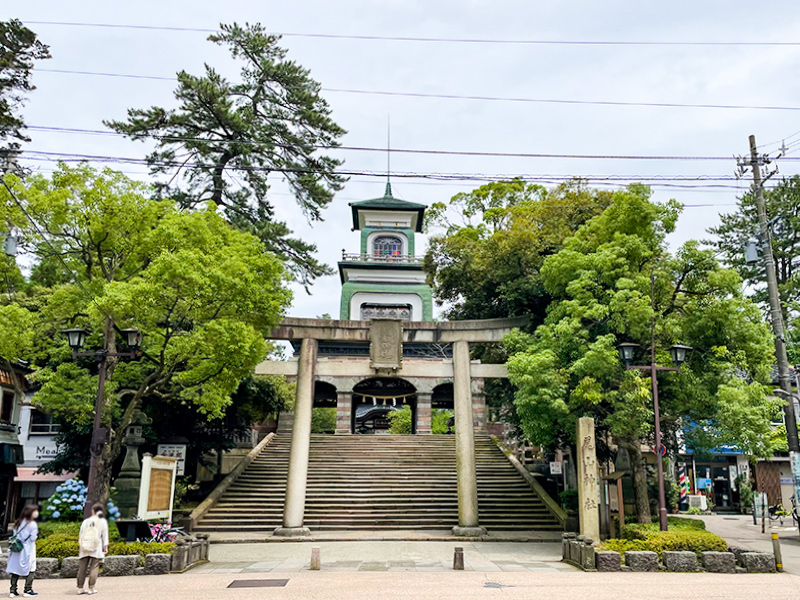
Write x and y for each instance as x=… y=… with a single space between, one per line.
x=23 y=563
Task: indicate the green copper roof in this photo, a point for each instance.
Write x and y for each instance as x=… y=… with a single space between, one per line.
x=388 y=202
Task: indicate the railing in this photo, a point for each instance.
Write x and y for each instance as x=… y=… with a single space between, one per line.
x=245 y=439
x=403 y=259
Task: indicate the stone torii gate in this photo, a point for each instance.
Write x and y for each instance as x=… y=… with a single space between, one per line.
x=385 y=338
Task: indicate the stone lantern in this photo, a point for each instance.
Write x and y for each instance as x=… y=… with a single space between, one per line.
x=130 y=475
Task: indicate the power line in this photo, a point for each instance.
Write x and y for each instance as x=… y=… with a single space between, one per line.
x=169 y=163
x=474 y=98
x=438 y=40
x=171 y=138
x=426 y=183
x=686 y=182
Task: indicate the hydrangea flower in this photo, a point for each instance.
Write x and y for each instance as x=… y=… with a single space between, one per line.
x=56 y=514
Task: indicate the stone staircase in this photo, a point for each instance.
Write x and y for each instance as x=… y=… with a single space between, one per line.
x=379 y=482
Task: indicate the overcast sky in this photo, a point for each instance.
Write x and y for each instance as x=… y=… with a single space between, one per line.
x=759 y=76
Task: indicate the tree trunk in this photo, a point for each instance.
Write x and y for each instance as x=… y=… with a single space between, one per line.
x=639 y=482
x=111 y=452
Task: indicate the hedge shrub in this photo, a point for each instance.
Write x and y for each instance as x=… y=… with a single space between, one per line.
x=140 y=548
x=49 y=528
x=57 y=545
x=64 y=544
x=683 y=534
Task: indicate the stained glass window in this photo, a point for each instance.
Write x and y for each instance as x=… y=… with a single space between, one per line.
x=387 y=245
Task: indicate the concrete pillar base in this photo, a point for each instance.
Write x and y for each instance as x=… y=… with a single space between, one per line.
x=469 y=531
x=292 y=532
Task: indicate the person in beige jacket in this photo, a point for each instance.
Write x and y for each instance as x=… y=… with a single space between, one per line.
x=93 y=542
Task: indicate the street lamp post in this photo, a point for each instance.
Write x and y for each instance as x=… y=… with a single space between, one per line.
x=76 y=337
x=678 y=355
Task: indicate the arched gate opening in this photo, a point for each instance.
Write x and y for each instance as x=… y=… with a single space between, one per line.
x=376 y=399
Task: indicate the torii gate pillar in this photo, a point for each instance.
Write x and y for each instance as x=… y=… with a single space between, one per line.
x=465 y=444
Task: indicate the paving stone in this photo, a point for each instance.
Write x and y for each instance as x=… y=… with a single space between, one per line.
x=719 y=562
x=641 y=561
x=758 y=562
x=402 y=563
x=512 y=567
x=373 y=566
x=680 y=561
x=607 y=560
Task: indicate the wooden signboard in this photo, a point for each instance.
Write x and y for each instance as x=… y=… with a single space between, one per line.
x=157 y=491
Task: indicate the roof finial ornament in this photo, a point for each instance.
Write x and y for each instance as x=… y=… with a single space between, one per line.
x=388 y=193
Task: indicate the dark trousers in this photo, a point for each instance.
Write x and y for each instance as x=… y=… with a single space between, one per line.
x=28 y=582
x=88 y=565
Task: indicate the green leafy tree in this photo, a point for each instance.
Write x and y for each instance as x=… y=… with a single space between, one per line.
x=323 y=419
x=439 y=419
x=486 y=252
x=736 y=228
x=400 y=421
x=601 y=284
x=488 y=245
x=16 y=323
x=203 y=294
x=19 y=50
x=224 y=138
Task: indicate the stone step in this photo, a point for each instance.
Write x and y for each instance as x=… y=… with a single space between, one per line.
x=386 y=518
x=379 y=483
x=267 y=528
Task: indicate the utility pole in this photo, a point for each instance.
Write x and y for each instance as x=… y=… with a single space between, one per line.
x=776 y=315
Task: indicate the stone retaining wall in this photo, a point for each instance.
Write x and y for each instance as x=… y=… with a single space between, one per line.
x=580 y=551
x=188 y=551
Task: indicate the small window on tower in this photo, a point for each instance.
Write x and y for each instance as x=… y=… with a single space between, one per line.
x=387 y=245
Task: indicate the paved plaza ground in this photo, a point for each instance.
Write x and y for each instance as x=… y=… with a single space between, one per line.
x=397 y=555
x=403 y=567
x=309 y=585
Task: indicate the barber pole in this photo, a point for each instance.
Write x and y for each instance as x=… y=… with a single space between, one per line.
x=684 y=485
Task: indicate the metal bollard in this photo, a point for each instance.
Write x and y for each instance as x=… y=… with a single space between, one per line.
x=458 y=559
x=776 y=549
x=316 y=563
